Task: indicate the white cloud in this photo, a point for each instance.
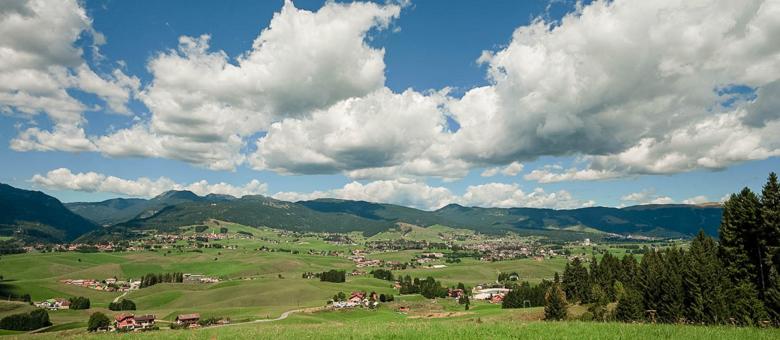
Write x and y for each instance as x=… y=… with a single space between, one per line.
x=40 y=63
x=512 y=169
x=647 y=196
x=631 y=85
x=380 y=130
x=490 y=172
x=64 y=179
x=304 y=61
x=696 y=200
x=628 y=87
x=511 y=195
x=421 y=195
x=552 y=174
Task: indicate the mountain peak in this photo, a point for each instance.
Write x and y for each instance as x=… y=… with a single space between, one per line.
x=178 y=195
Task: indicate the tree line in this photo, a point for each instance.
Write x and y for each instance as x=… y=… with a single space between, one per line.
x=152 y=279
x=733 y=281
x=333 y=276
x=429 y=287
x=33 y=320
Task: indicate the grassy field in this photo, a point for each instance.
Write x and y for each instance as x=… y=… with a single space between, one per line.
x=486 y=323
x=260 y=285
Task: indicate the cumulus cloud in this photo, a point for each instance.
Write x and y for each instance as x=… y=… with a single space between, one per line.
x=696 y=200
x=647 y=196
x=424 y=196
x=64 y=179
x=512 y=169
x=628 y=87
x=304 y=61
x=40 y=64
x=556 y=173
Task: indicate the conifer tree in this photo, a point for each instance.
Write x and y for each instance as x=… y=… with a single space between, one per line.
x=629 y=307
x=555 y=302
x=705 y=283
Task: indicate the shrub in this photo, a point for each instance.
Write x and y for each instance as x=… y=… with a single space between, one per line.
x=98 y=321
x=79 y=303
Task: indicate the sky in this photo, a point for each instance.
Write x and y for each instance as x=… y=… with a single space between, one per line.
x=553 y=104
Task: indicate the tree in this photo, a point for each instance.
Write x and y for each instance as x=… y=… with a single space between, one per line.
x=98 y=321
x=599 y=306
x=629 y=307
x=705 y=282
x=555 y=307
x=770 y=242
x=772 y=296
x=747 y=309
x=570 y=281
x=672 y=304
x=738 y=244
x=79 y=303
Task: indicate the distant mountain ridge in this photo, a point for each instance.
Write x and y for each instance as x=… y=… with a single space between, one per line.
x=35 y=216
x=337 y=215
x=40 y=213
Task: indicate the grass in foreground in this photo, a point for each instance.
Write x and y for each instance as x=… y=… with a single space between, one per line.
x=452 y=329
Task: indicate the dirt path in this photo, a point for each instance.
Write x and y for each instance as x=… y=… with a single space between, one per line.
x=121 y=296
x=281 y=317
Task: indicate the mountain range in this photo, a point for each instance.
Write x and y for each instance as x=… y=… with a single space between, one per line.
x=44 y=218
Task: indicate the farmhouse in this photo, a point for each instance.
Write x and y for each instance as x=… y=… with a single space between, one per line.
x=188 y=319
x=145 y=321
x=485 y=294
x=54 y=304
x=125 y=322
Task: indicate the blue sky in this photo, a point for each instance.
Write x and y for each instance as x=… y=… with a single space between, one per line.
x=608 y=122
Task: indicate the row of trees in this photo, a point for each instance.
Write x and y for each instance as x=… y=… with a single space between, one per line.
x=152 y=279
x=33 y=320
x=524 y=295
x=333 y=276
x=124 y=304
x=429 y=287
x=734 y=281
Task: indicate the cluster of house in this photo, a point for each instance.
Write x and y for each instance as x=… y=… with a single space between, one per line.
x=199 y=278
x=54 y=304
x=111 y=284
x=493 y=295
x=360 y=260
x=358 y=299
x=130 y=322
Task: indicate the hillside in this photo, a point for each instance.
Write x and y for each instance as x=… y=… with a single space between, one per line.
x=119 y=210
x=35 y=216
x=333 y=215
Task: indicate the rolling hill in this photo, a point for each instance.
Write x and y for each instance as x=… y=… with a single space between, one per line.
x=335 y=215
x=35 y=216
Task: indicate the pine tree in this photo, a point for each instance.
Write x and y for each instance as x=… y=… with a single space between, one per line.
x=629 y=307
x=741 y=216
x=672 y=303
x=769 y=235
x=705 y=282
x=772 y=297
x=747 y=309
x=555 y=302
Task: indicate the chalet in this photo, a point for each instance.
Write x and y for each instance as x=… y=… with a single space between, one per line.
x=498 y=298
x=145 y=321
x=125 y=322
x=188 y=319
